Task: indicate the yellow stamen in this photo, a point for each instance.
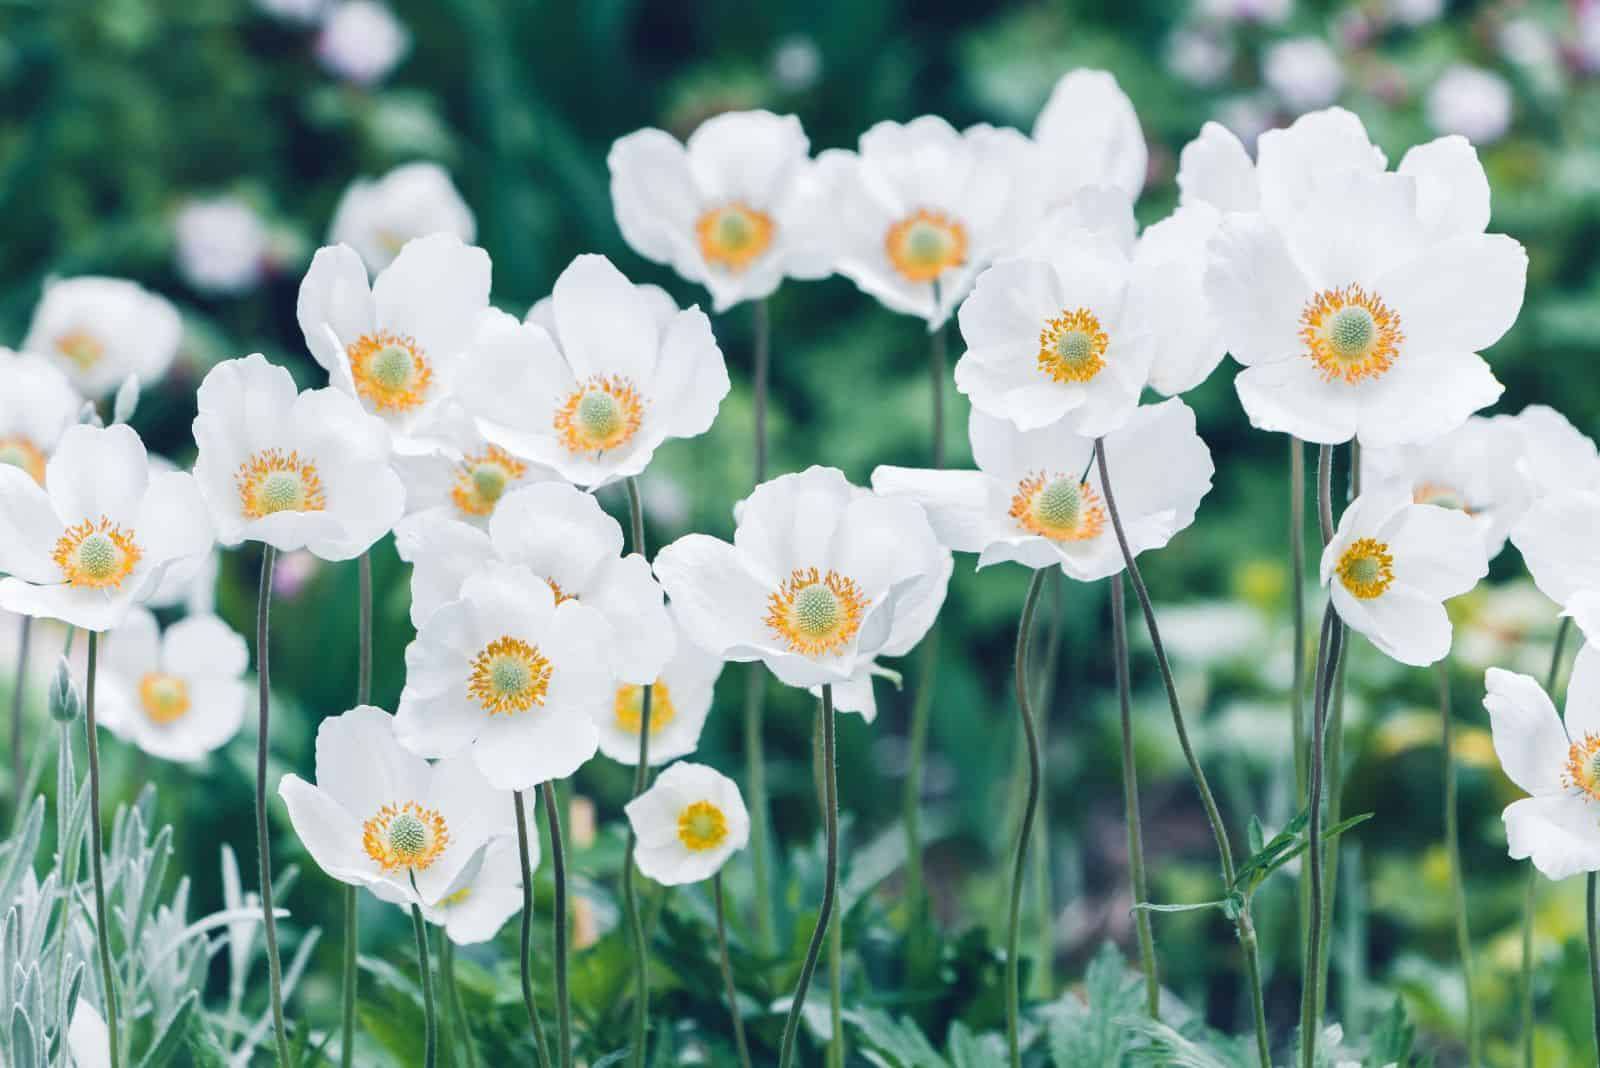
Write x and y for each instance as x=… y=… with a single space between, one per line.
x=630 y=707
x=165 y=697
x=1059 y=508
x=405 y=835
x=484 y=478
x=509 y=675
x=390 y=371
x=81 y=347
x=17 y=451
x=1072 y=346
x=1350 y=334
x=1583 y=766
x=270 y=482
x=734 y=235
x=702 y=826
x=925 y=244
x=561 y=595
x=1366 y=568
x=815 y=613
x=601 y=414
x=96 y=555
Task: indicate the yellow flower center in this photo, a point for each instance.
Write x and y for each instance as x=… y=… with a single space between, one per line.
x=925 y=244
x=96 y=555
x=1058 y=508
x=270 y=482
x=390 y=371
x=734 y=235
x=1366 y=568
x=1350 y=334
x=816 y=613
x=17 y=451
x=1072 y=346
x=1441 y=495
x=702 y=826
x=630 y=707
x=1583 y=766
x=509 y=675
x=484 y=478
x=405 y=835
x=81 y=347
x=165 y=697
x=601 y=414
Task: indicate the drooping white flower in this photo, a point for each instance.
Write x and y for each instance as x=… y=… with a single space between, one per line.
x=1472 y=102
x=731 y=209
x=1393 y=563
x=295 y=470
x=221 y=244
x=1304 y=72
x=383 y=818
x=177 y=695
x=1088 y=135
x=594 y=386
x=1557 y=762
x=1037 y=497
x=362 y=41
x=508 y=675
x=690 y=821
x=463 y=476
x=397 y=344
x=101 y=330
x=98 y=536
x=486 y=893
x=378 y=216
x=37 y=405
x=680 y=700
x=816 y=577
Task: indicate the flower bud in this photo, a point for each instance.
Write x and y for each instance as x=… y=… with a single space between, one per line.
x=65 y=702
x=127 y=399
x=89 y=416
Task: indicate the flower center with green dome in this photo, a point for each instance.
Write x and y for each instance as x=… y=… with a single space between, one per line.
x=816 y=613
x=925 y=244
x=602 y=413
x=390 y=371
x=405 y=835
x=1072 y=346
x=734 y=235
x=165 y=697
x=1059 y=508
x=629 y=707
x=1350 y=334
x=271 y=482
x=1366 y=568
x=702 y=826
x=483 y=480
x=509 y=675
x=96 y=555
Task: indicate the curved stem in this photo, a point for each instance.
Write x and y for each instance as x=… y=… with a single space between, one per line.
x=1030 y=806
x=1130 y=800
x=430 y=1023
x=350 y=979
x=1252 y=969
x=727 y=973
x=1530 y=895
x=641 y=779
x=830 y=885
x=527 y=932
x=19 y=680
x=1334 y=771
x=558 y=862
x=1043 y=979
x=102 y=928
x=1594 y=958
x=755 y=679
x=263 y=842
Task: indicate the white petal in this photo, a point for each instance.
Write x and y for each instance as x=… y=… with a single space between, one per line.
x=98 y=473
x=1452 y=190
x=204 y=645
x=1257 y=290
x=1403 y=623
x=1528 y=736
x=691 y=378
x=334 y=295
x=556 y=531
x=1461 y=295
x=605 y=327
x=630 y=599
x=29 y=528
x=1560 y=834
x=362 y=766
x=1291 y=396
x=716 y=598
x=434 y=292
x=1555 y=544
x=330 y=834
x=956 y=502
x=1215 y=169
x=1583 y=693
x=655 y=199
x=442 y=552
x=1089 y=134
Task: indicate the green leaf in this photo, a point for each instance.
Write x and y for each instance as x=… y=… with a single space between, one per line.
x=966 y=1050
x=1087 y=1033
x=171 y=1038
x=900 y=1042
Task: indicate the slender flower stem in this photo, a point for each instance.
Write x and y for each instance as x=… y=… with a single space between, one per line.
x=1208 y=801
x=1130 y=800
x=350 y=978
x=102 y=927
x=1594 y=959
x=1452 y=845
x=19 y=685
x=727 y=973
x=1530 y=895
x=830 y=885
x=558 y=862
x=1025 y=831
x=66 y=795
x=539 y=1047
x=1297 y=595
x=1042 y=977
x=755 y=678
x=641 y=779
x=836 y=1047
x=430 y=1022
x=452 y=999
x=263 y=842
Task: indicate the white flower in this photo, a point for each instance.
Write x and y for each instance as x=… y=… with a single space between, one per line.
x=177 y=695
x=1200 y=56
x=732 y=209
x=1304 y=72
x=688 y=823
x=796 y=63
x=816 y=578
x=1393 y=563
x=383 y=818
x=1556 y=762
x=221 y=244
x=562 y=535
x=1088 y=135
x=680 y=700
x=1557 y=541
x=189 y=584
x=510 y=675
x=1253 y=10
x=100 y=533
x=921 y=209
x=1555 y=455
x=1471 y=102
x=362 y=41
x=377 y=216
x=396 y=346
x=486 y=894
x=597 y=379
x=295 y=470
x=463 y=476
x=101 y=330
x=1037 y=497
x=37 y=405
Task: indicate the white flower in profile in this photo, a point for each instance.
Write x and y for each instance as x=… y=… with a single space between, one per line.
x=1304 y=72
x=1393 y=563
x=396 y=345
x=377 y=216
x=36 y=407
x=1037 y=497
x=361 y=41
x=383 y=818
x=463 y=476
x=1472 y=102
x=1557 y=541
x=100 y=533
x=509 y=676
x=176 y=695
x=101 y=330
x=688 y=824
x=680 y=700
x=486 y=894
x=221 y=244
x=1555 y=455
x=1557 y=762
x=295 y=470
x=730 y=209
x=816 y=577
x=1088 y=136
x=597 y=378
x=562 y=535
x=921 y=208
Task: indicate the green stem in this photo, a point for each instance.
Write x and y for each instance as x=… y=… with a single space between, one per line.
x=70 y=852
x=1042 y=980
x=1130 y=800
x=350 y=978
x=641 y=780
x=263 y=842
x=102 y=927
x=1452 y=845
x=911 y=799
x=1594 y=961
x=726 y=959
x=19 y=686
x=1552 y=679
x=755 y=679
x=1297 y=592
x=452 y=993
x=836 y=1047
x=830 y=885
x=528 y=1003
x=1025 y=832
x=558 y=866
x=430 y=1022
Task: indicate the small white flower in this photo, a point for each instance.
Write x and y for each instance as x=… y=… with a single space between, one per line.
x=597 y=378
x=362 y=41
x=37 y=405
x=486 y=894
x=295 y=470
x=382 y=818
x=100 y=533
x=377 y=216
x=100 y=330
x=796 y=63
x=509 y=675
x=1247 y=10
x=1088 y=136
x=1200 y=56
x=688 y=823
x=680 y=700
x=221 y=244
x=1304 y=72
x=1471 y=102
x=177 y=695
x=1393 y=563
x=1556 y=762
x=463 y=476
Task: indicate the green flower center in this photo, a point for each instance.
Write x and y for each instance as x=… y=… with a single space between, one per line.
x=599 y=414
x=490 y=481
x=391 y=367
x=510 y=675
x=1060 y=504
x=816 y=610
x=1351 y=330
x=1076 y=349
x=926 y=243
x=97 y=556
x=407 y=836
x=281 y=491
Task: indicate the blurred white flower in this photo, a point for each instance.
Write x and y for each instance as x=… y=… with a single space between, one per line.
x=377 y=216
x=1555 y=455
x=1527 y=42
x=36 y=407
x=221 y=244
x=1248 y=116
x=100 y=330
x=796 y=63
x=295 y=10
x=1414 y=12
x=1304 y=72
x=1200 y=55
x=177 y=695
x=1472 y=102
x=362 y=41
x=1557 y=541
x=690 y=821
x=88 y=1038
x=463 y=476
x=1253 y=10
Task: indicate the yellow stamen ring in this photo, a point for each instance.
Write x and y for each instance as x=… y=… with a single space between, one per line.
x=165 y=697
x=1059 y=508
x=734 y=235
x=630 y=707
x=702 y=826
x=1072 y=346
x=815 y=613
x=925 y=244
x=96 y=555
x=484 y=479
x=270 y=482
x=602 y=413
x=1350 y=334
x=1366 y=568
x=17 y=451
x=405 y=835
x=390 y=371
x=509 y=675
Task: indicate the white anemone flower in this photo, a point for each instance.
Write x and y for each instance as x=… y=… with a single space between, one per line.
x=295 y=470
x=101 y=330
x=813 y=583
x=1472 y=102
x=362 y=41
x=510 y=676
x=1557 y=762
x=680 y=700
x=100 y=534
x=921 y=208
x=176 y=695
x=593 y=388
x=36 y=407
x=1037 y=497
x=463 y=476
x=222 y=244
x=486 y=893
x=377 y=216
x=562 y=535
x=1303 y=71
x=1393 y=563
x=1556 y=455
x=730 y=209
x=383 y=818
x=396 y=345
x=690 y=821
x=1088 y=135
